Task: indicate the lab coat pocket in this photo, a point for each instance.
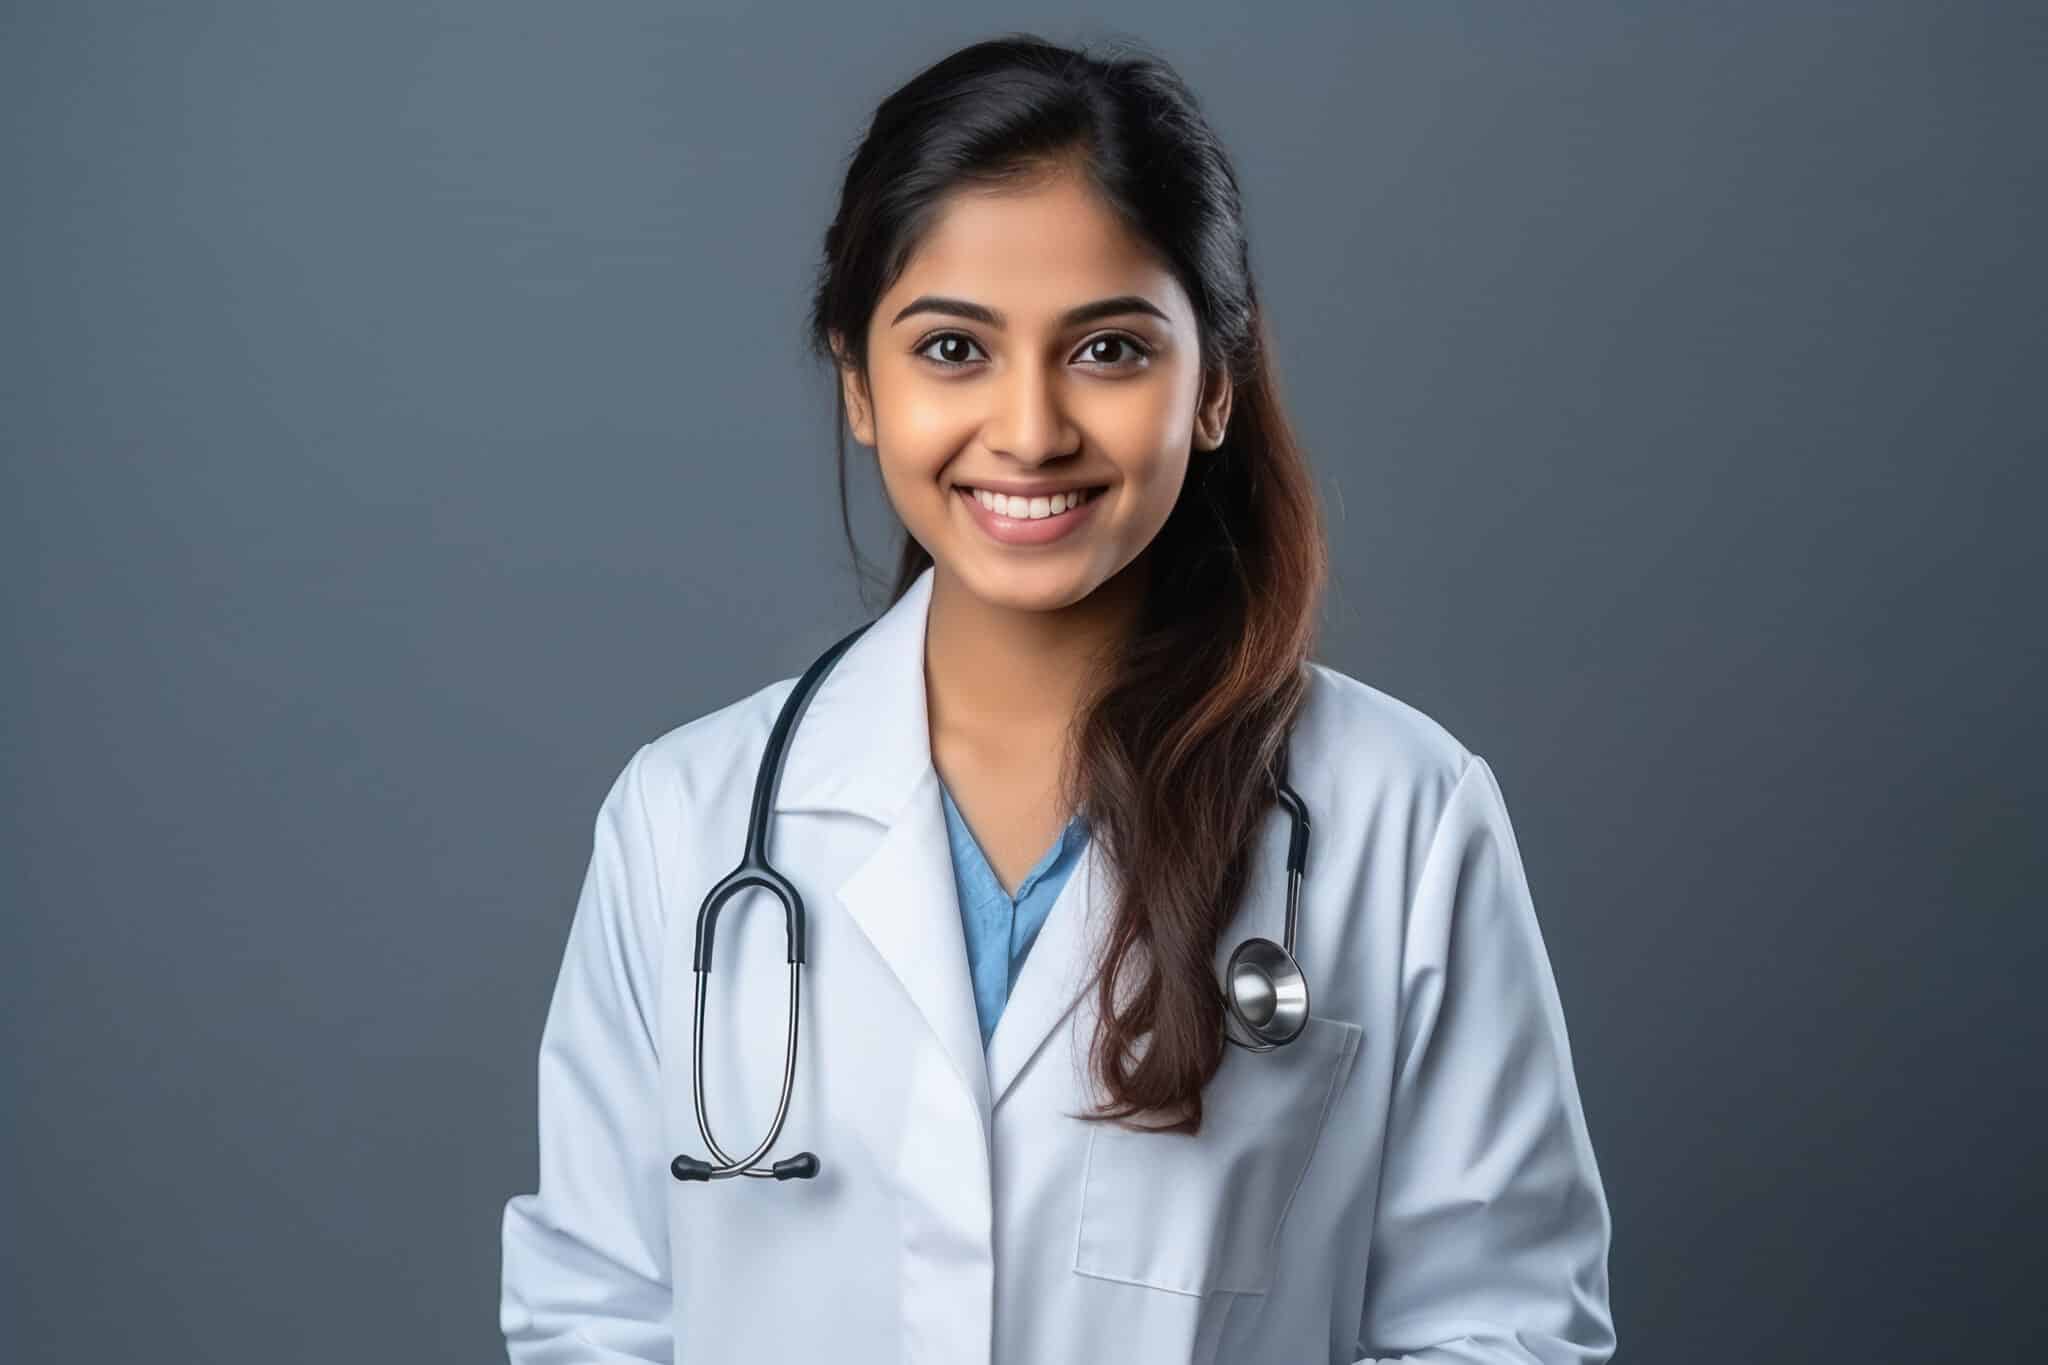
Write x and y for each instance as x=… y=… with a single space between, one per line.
x=1199 y=1214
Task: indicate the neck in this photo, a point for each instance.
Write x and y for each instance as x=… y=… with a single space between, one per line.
x=998 y=678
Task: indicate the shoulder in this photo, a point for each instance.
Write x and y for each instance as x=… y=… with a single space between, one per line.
x=1364 y=734
x=1373 y=768
x=698 y=759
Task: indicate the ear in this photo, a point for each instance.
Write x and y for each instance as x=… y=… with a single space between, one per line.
x=859 y=410
x=1212 y=413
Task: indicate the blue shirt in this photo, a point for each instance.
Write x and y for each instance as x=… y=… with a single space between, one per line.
x=1001 y=928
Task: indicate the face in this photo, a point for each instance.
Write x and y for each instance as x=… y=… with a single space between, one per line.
x=1033 y=344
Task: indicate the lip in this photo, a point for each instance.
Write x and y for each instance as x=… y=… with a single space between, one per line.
x=1024 y=530
x=1025 y=490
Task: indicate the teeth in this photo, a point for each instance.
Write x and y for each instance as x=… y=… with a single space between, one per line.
x=1031 y=509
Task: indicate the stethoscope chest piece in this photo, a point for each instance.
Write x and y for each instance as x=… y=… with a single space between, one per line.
x=1268 y=993
x=1264 y=988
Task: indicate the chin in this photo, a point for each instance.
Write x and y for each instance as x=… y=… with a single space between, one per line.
x=1048 y=586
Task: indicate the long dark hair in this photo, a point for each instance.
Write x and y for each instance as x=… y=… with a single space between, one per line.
x=1183 y=727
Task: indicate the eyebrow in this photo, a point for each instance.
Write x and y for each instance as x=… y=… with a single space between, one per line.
x=1073 y=317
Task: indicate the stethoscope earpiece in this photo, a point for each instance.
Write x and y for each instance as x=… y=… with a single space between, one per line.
x=802 y=1166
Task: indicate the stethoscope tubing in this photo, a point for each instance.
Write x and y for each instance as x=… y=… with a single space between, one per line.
x=755 y=872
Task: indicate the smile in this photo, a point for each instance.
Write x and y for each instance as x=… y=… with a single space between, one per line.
x=1020 y=521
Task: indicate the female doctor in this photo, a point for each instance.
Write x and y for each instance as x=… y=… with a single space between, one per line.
x=1030 y=813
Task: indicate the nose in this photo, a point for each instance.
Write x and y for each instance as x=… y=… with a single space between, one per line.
x=1028 y=421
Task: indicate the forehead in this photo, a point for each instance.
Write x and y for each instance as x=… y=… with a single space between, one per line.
x=1032 y=253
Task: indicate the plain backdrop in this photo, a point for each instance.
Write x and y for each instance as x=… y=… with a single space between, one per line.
x=405 y=417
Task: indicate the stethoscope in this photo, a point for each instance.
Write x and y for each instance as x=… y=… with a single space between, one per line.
x=1267 y=993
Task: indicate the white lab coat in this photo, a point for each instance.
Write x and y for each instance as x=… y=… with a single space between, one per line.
x=1411 y=1179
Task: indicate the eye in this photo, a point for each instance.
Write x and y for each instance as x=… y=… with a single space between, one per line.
x=956 y=340
x=1122 y=339
x=953 y=341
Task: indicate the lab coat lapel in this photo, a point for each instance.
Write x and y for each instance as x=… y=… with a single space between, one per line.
x=863 y=747
x=1055 y=973
x=903 y=898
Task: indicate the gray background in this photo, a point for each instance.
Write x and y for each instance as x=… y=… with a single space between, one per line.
x=398 y=403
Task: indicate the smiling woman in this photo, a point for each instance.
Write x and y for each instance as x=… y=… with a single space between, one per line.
x=1028 y=815
x=1072 y=361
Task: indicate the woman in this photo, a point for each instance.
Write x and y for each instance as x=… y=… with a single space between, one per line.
x=1031 y=812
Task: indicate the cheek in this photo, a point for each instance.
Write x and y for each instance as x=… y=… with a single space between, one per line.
x=924 y=430
x=1148 y=433
x=912 y=494
x=910 y=404
x=918 y=432
x=1155 y=475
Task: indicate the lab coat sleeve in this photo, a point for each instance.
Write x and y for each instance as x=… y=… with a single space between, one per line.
x=1492 y=1233
x=586 y=1258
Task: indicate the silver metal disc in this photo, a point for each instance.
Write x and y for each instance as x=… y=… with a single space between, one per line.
x=1268 y=992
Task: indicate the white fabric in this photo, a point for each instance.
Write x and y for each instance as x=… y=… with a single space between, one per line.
x=1410 y=1180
